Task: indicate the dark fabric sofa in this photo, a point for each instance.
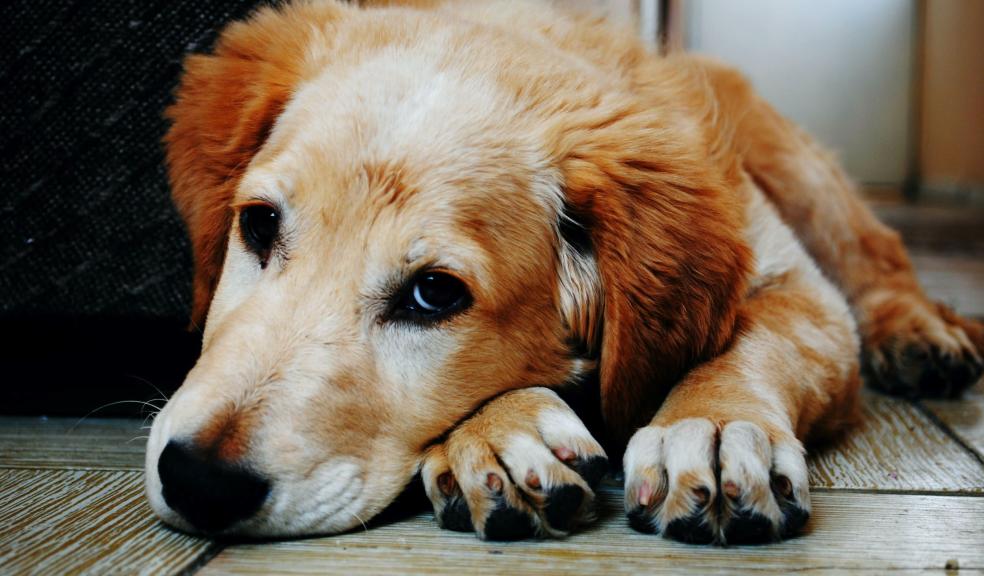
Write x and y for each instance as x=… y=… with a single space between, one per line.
x=95 y=269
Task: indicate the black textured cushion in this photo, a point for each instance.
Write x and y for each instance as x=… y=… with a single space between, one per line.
x=95 y=269
x=87 y=224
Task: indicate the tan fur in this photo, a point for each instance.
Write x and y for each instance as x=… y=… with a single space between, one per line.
x=402 y=136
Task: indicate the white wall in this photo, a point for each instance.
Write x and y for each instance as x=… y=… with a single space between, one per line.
x=841 y=68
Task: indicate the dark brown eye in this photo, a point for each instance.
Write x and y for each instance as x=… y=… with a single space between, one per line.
x=432 y=296
x=259 y=225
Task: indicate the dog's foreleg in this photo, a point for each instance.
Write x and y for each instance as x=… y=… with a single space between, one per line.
x=912 y=345
x=723 y=459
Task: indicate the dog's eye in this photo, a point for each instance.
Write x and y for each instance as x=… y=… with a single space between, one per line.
x=259 y=225
x=432 y=296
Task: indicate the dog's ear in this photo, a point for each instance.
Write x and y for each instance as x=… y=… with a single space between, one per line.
x=225 y=106
x=658 y=230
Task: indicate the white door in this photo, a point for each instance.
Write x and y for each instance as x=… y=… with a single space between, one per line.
x=841 y=68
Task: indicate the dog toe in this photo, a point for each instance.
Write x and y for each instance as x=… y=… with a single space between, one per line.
x=699 y=482
x=927 y=351
x=508 y=476
x=670 y=483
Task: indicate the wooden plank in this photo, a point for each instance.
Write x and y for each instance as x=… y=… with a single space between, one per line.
x=896 y=447
x=92 y=443
x=71 y=521
x=964 y=417
x=849 y=533
x=957 y=281
x=936 y=228
x=946 y=243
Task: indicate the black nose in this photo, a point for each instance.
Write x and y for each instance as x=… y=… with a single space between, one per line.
x=208 y=492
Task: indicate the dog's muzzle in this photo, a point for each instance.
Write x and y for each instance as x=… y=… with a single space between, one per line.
x=210 y=493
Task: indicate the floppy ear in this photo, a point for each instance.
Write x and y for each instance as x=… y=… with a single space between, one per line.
x=665 y=233
x=225 y=107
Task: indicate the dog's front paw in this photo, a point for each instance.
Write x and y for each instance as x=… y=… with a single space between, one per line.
x=916 y=348
x=698 y=483
x=523 y=466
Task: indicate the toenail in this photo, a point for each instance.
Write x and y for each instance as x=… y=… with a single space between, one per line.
x=645 y=494
x=592 y=469
x=493 y=482
x=782 y=485
x=446 y=483
x=532 y=480
x=564 y=454
x=703 y=495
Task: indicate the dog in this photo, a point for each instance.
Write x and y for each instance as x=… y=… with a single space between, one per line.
x=425 y=232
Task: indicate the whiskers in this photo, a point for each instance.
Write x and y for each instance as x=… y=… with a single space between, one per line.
x=148 y=403
x=152 y=406
x=361 y=521
x=151 y=384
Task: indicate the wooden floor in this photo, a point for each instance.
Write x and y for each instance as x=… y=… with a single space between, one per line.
x=904 y=492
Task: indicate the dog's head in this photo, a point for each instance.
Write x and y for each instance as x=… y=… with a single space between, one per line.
x=396 y=217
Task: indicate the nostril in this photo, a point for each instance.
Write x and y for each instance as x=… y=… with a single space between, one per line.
x=208 y=492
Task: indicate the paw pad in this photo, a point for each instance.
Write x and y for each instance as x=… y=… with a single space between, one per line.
x=563 y=504
x=691 y=530
x=456 y=516
x=748 y=527
x=506 y=523
x=640 y=520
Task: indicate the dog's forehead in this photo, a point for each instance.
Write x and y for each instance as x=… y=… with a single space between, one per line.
x=408 y=139
x=386 y=107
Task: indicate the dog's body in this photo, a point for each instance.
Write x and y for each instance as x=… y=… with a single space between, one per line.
x=411 y=222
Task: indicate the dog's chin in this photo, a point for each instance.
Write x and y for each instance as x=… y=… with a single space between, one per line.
x=291 y=510
x=262 y=529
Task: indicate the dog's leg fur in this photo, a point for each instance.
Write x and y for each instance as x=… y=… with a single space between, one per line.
x=524 y=465
x=912 y=346
x=723 y=458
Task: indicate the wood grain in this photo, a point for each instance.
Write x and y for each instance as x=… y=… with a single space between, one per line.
x=964 y=417
x=849 y=533
x=935 y=230
x=896 y=447
x=90 y=521
x=957 y=281
x=71 y=443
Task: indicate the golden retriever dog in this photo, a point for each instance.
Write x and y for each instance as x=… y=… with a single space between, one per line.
x=426 y=232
